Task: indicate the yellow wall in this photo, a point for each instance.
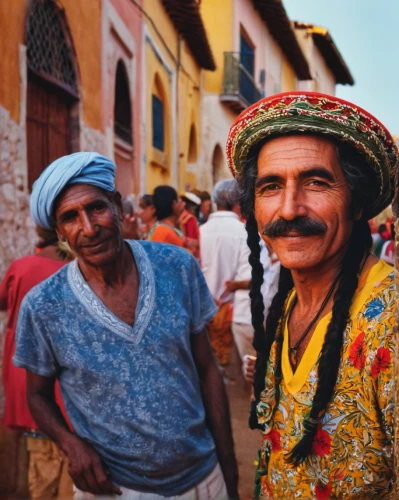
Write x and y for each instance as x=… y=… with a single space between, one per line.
x=288 y=77
x=217 y=16
x=188 y=99
x=12 y=30
x=156 y=173
x=84 y=21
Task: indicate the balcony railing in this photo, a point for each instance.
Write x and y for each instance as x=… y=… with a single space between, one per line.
x=239 y=89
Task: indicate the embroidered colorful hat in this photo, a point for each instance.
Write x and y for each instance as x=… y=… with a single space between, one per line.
x=323 y=114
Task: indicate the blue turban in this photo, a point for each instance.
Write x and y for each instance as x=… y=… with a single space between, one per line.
x=85 y=168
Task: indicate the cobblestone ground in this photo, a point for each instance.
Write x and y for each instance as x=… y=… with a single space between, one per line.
x=246 y=441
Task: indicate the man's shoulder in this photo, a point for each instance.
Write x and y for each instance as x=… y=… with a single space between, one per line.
x=375 y=303
x=50 y=288
x=161 y=254
x=223 y=223
x=382 y=293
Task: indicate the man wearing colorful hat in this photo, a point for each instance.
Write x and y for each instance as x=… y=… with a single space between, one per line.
x=123 y=328
x=313 y=169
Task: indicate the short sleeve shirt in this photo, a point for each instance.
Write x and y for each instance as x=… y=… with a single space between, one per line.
x=352 y=452
x=132 y=392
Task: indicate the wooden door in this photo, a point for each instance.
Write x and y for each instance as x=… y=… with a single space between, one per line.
x=47 y=125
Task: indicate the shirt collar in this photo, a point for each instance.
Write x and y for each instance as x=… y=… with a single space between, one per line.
x=223 y=213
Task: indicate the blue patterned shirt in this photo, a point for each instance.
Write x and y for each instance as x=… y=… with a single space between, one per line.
x=131 y=392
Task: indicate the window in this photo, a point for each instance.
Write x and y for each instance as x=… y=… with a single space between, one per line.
x=52 y=89
x=122 y=107
x=158 y=136
x=48 y=51
x=247 y=55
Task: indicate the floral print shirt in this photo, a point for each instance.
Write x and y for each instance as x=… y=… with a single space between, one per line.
x=352 y=452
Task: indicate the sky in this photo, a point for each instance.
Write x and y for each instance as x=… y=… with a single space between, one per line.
x=366 y=33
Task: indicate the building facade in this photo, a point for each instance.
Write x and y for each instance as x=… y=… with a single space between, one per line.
x=326 y=64
x=174 y=59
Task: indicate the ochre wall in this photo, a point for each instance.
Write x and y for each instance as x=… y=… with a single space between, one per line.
x=84 y=21
x=288 y=78
x=156 y=173
x=217 y=16
x=188 y=99
x=12 y=29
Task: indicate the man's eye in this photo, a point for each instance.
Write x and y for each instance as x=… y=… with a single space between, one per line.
x=68 y=217
x=318 y=183
x=270 y=187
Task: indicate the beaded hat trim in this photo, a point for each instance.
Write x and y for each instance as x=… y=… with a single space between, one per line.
x=309 y=112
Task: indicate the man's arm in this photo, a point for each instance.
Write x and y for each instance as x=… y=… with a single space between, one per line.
x=85 y=466
x=217 y=408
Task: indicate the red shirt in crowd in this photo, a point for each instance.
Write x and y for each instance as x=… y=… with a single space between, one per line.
x=22 y=275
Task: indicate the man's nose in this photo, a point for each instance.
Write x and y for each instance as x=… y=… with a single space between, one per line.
x=292 y=204
x=89 y=229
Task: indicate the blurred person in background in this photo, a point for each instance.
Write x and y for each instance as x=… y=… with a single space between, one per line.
x=243 y=331
x=188 y=221
x=223 y=247
x=168 y=209
x=384 y=235
x=388 y=249
x=206 y=206
x=129 y=226
x=147 y=214
x=48 y=466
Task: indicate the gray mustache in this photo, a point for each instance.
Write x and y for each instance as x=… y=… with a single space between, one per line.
x=302 y=225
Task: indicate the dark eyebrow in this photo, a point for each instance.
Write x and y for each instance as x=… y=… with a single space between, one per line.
x=305 y=174
x=66 y=215
x=96 y=204
x=321 y=172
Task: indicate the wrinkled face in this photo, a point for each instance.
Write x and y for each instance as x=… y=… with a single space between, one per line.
x=88 y=218
x=146 y=213
x=302 y=201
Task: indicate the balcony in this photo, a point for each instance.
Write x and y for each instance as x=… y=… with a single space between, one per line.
x=239 y=89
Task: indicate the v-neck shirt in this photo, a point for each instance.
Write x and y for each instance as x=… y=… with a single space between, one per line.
x=131 y=391
x=294 y=381
x=352 y=451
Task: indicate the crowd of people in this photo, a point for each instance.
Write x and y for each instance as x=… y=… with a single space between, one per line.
x=121 y=325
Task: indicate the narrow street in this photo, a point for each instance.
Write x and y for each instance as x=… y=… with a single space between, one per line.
x=246 y=441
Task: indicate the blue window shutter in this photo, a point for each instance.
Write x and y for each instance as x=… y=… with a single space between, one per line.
x=158 y=139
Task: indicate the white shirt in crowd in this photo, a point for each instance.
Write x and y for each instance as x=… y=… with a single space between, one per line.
x=242 y=302
x=223 y=247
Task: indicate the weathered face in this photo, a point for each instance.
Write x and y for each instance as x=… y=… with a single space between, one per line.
x=89 y=220
x=302 y=201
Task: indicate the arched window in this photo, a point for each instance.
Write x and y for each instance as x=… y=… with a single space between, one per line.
x=192 y=146
x=158 y=116
x=52 y=87
x=123 y=138
x=217 y=164
x=122 y=106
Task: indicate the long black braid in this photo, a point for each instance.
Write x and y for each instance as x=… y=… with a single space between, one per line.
x=361 y=183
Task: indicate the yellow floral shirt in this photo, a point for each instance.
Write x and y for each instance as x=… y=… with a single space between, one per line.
x=352 y=452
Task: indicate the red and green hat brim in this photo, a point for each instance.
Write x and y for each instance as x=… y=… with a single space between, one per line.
x=310 y=112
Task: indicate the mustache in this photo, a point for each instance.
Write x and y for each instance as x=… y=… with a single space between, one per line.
x=302 y=225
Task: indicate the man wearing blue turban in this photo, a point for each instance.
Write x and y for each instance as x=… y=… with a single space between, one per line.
x=123 y=328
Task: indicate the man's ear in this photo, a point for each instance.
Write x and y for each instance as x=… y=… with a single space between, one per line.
x=117 y=198
x=359 y=213
x=59 y=234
